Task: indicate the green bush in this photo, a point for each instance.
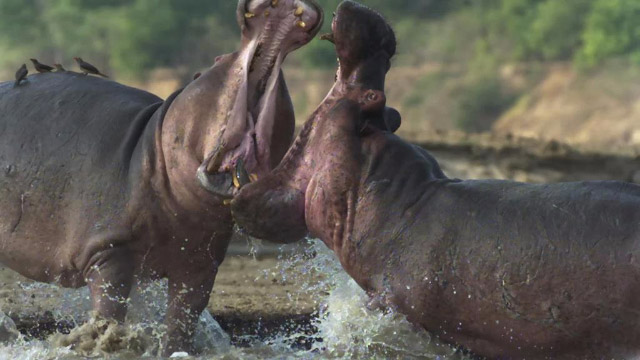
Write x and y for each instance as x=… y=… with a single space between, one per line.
x=612 y=29
x=513 y=19
x=556 y=30
x=135 y=36
x=540 y=29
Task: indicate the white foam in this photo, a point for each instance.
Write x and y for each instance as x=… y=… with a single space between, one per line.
x=348 y=329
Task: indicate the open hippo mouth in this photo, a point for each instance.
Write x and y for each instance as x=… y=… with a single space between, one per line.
x=365 y=44
x=278 y=207
x=270 y=30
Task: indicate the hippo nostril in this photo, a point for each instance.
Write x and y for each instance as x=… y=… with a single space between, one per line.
x=372 y=100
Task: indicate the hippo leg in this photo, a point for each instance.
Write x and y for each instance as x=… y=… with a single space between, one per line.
x=187 y=300
x=109 y=277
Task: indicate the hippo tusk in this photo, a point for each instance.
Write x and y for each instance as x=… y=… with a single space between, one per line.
x=240 y=175
x=253 y=177
x=299 y=11
x=249 y=15
x=234 y=178
x=301 y=24
x=274 y=3
x=329 y=37
x=214 y=160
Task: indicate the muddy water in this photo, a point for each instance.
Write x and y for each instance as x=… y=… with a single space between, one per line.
x=56 y=323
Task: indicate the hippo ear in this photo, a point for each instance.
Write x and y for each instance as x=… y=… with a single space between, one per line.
x=392 y=119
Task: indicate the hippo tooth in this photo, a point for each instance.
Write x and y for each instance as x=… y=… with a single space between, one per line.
x=249 y=15
x=301 y=24
x=299 y=11
x=234 y=177
x=240 y=175
x=215 y=159
x=266 y=13
x=226 y=202
x=274 y=3
x=253 y=177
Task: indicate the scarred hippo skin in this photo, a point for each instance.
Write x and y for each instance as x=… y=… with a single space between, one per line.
x=99 y=182
x=505 y=269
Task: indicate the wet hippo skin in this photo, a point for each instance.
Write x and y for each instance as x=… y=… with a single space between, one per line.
x=100 y=182
x=504 y=269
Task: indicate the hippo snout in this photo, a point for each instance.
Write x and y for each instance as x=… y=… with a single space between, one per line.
x=271 y=210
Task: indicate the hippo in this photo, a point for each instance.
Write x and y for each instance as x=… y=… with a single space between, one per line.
x=502 y=269
x=102 y=183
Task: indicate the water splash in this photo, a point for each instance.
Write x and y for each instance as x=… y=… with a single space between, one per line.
x=347 y=327
x=91 y=336
x=343 y=328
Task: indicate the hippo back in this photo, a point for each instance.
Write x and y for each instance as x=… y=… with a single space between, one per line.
x=68 y=113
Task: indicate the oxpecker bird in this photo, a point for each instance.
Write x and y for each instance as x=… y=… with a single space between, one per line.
x=21 y=74
x=88 y=68
x=41 y=68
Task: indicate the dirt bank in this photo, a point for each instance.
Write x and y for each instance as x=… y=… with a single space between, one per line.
x=598 y=107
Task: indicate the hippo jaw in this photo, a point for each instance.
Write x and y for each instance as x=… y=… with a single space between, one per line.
x=322 y=161
x=319 y=169
x=365 y=44
x=271 y=29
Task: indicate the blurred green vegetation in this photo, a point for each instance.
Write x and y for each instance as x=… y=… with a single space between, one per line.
x=130 y=38
x=134 y=36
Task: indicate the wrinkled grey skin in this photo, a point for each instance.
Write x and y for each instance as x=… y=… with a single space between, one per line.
x=505 y=269
x=98 y=181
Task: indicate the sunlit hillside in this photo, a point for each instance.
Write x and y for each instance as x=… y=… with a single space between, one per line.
x=561 y=70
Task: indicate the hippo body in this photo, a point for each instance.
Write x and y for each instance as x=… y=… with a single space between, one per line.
x=70 y=151
x=101 y=183
x=504 y=269
x=499 y=267
x=85 y=197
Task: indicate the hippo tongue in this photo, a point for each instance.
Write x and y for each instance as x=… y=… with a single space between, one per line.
x=244 y=137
